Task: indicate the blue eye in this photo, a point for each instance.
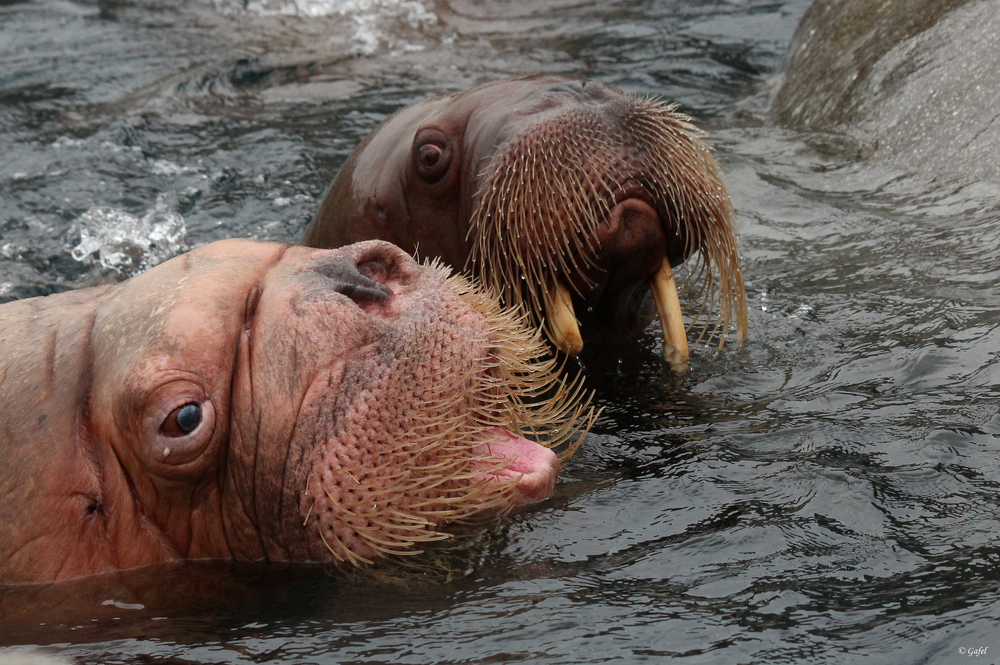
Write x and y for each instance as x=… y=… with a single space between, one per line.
x=189 y=417
x=182 y=421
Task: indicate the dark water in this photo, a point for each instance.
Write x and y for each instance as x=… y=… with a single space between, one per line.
x=828 y=493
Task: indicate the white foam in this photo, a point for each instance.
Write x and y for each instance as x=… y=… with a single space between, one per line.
x=369 y=18
x=127 y=244
x=166 y=167
x=66 y=142
x=409 y=10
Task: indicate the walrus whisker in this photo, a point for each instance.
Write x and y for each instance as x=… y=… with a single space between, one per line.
x=305 y=521
x=498 y=497
x=409 y=532
x=531 y=244
x=428 y=468
x=384 y=546
x=425 y=484
x=352 y=556
x=515 y=386
x=401 y=520
x=704 y=330
x=334 y=552
x=585 y=243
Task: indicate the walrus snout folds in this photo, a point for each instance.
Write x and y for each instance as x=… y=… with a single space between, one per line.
x=569 y=196
x=256 y=401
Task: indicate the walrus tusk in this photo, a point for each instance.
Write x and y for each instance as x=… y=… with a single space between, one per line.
x=675 y=346
x=563 y=329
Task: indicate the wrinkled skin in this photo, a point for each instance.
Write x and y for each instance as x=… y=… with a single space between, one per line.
x=600 y=211
x=912 y=84
x=308 y=369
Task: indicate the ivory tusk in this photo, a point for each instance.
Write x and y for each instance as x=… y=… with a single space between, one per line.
x=562 y=328
x=668 y=305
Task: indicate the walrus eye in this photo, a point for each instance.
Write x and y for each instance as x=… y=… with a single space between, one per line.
x=432 y=155
x=182 y=421
x=429 y=155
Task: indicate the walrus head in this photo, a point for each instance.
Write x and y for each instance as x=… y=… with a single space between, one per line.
x=255 y=401
x=570 y=196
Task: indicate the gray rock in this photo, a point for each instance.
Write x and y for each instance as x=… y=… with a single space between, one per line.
x=916 y=82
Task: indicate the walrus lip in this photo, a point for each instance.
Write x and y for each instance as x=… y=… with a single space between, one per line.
x=532 y=466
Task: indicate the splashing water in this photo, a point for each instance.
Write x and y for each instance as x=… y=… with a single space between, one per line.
x=410 y=10
x=369 y=18
x=126 y=244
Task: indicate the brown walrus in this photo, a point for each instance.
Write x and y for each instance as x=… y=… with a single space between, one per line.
x=568 y=195
x=255 y=401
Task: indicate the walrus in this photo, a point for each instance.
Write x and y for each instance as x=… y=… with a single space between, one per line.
x=567 y=195
x=257 y=401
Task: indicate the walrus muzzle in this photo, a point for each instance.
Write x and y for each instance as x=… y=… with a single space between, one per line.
x=448 y=443
x=559 y=193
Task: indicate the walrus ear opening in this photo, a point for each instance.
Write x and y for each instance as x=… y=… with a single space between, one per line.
x=432 y=154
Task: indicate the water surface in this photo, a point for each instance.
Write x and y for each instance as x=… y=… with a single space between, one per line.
x=827 y=493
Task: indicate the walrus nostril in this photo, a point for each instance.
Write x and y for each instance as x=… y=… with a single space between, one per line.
x=346 y=278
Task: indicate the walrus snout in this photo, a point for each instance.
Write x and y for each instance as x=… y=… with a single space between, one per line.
x=640 y=257
x=370 y=274
x=633 y=238
x=592 y=205
x=347 y=279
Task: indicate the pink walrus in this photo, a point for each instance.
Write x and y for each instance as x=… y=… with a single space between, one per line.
x=255 y=401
